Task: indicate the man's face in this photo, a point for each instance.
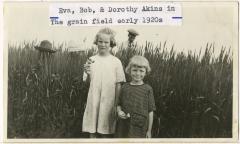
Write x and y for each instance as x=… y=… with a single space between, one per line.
x=131 y=38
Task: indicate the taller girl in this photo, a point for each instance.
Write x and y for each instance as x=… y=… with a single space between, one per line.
x=106 y=74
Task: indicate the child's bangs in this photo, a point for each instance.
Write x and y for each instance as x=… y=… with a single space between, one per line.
x=139 y=64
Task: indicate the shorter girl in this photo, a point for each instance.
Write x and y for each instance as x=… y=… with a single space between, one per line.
x=136 y=102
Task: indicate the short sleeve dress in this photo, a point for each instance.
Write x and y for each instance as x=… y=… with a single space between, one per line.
x=99 y=113
x=138 y=101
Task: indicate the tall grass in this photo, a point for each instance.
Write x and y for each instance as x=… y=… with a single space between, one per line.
x=193 y=93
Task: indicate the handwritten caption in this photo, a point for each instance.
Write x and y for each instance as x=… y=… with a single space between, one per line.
x=114 y=13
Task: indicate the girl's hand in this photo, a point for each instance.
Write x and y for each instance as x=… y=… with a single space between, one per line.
x=122 y=115
x=87 y=66
x=148 y=134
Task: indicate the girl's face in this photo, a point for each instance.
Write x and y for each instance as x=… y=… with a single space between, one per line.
x=137 y=73
x=103 y=44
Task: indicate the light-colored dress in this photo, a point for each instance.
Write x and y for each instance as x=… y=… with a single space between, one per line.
x=99 y=113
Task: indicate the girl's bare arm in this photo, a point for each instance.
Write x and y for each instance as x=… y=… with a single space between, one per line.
x=117 y=93
x=150 y=122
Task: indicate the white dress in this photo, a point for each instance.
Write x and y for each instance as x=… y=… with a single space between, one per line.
x=99 y=113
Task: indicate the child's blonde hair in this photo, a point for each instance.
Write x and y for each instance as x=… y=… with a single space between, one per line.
x=107 y=31
x=138 y=61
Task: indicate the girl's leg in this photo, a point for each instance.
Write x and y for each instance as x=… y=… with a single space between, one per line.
x=92 y=135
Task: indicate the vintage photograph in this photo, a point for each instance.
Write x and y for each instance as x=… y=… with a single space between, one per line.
x=121 y=81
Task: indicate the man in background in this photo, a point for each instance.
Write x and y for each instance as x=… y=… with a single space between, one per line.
x=129 y=44
x=132 y=34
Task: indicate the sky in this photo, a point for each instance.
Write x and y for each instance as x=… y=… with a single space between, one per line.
x=202 y=23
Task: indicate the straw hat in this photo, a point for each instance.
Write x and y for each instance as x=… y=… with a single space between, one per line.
x=133 y=32
x=45 y=46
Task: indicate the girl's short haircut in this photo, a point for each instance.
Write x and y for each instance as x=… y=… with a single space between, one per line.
x=107 y=31
x=138 y=61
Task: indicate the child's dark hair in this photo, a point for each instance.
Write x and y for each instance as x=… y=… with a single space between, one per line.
x=107 y=31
